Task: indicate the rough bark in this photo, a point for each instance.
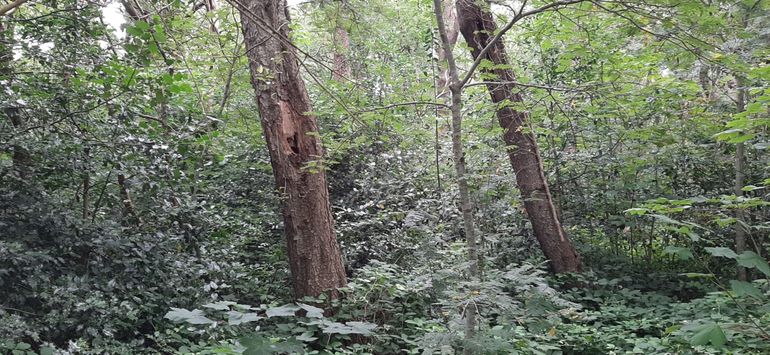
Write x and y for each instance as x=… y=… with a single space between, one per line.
x=292 y=140
x=455 y=88
x=477 y=26
x=341 y=69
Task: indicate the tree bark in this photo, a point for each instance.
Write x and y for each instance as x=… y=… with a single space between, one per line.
x=293 y=143
x=341 y=69
x=452 y=32
x=740 y=176
x=477 y=26
x=455 y=88
x=129 y=212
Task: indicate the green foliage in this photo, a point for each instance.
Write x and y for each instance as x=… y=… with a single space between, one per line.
x=633 y=106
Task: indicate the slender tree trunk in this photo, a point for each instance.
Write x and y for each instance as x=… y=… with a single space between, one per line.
x=341 y=69
x=86 y=190
x=294 y=146
x=740 y=176
x=453 y=31
x=20 y=156
x=459 y=161
x=129 y=212
x=476 y=26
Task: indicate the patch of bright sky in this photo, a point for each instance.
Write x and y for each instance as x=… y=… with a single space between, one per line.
x=113 y=17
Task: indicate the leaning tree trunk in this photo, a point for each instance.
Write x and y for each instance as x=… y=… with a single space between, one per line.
x=295 y=149
x=477 y=26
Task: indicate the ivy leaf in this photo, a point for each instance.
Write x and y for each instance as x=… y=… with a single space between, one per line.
x=721 y=251
x=709 y=333
x=752 y=260
x=182 y=315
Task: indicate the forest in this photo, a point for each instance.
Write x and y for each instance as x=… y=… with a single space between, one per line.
x=384 y=177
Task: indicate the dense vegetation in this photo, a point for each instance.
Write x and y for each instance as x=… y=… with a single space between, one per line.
x=143 y=211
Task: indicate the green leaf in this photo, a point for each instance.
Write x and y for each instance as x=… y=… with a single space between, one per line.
x=636 y=211
x=182 y=315
x=709 y=333
x=259 y=345
x=306 y=337
x=667 y=219
x=312 y=312
x=721 y=251
x=751 y=188
x=220 y=306
x=752 y=260
x=287 y=310
x=362 y=328
x=142 y=25
x=236 y=318
x=693 y=275
x=743 y=288
x=681 y=252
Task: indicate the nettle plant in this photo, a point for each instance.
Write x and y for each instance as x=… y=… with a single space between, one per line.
x=290 y=328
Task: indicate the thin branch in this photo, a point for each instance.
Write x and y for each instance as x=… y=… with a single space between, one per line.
x=412 y=103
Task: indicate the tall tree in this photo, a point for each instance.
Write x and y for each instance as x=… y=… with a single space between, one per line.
x=294 y=147
x=452 y=32
x=341 y=69
x=739 y=182
x=20 y=156
x=478 y=28
x=456 y=89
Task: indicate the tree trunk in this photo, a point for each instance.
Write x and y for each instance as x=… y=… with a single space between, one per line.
x=740 y=176
x=129 y=212
x=341 y=70
x=20 y=156
x=477 y=26
x=452 y=32
x=455 y=88
x=295 y=149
